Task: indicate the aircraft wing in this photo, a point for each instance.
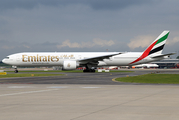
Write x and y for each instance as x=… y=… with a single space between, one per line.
x=95 y=60
x=163 y=55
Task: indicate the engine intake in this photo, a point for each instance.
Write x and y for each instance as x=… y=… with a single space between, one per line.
x=69 y=65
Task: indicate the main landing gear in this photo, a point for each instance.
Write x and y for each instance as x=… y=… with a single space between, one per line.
x=89 y=70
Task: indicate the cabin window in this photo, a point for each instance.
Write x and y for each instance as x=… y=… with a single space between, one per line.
x=6 y=58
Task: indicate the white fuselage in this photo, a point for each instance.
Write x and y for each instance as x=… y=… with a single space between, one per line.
x=58 y=58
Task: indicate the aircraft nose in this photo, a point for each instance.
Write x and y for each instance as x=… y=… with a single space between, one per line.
x=3 y=61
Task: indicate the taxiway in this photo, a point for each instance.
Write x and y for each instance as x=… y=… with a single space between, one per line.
x=82 y=78
x=79 y=96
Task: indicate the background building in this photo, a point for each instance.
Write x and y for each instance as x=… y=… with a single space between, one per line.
x=168 y=63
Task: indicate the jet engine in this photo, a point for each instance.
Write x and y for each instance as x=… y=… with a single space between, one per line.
x=70 y=65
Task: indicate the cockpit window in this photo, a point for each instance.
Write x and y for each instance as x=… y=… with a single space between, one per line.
x=6 y=58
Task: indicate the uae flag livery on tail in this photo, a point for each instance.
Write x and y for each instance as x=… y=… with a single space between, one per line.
x=155 y=48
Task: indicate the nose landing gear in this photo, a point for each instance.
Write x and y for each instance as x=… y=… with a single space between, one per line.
x=15 y=67
x=16 y=71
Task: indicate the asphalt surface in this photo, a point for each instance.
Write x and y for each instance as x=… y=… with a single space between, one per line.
x=88 y=102
x=87 y=96
x=83 y=78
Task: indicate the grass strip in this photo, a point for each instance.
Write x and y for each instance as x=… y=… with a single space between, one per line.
x=70 y=71
x=28 y=75
x=152 y=78
x=75 y=71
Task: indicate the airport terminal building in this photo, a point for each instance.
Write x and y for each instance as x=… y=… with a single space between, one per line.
x=168 y=63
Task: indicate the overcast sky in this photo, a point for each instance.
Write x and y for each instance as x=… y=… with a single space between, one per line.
x=86 y=25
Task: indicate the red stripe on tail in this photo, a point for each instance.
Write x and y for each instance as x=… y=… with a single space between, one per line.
x=145 y=53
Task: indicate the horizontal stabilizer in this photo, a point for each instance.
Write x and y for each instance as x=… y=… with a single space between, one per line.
x=163 y=55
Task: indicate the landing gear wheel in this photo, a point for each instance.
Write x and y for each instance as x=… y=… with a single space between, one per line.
x=16 y=71
x=89 y=70
x=85 y=70
x=92 y=70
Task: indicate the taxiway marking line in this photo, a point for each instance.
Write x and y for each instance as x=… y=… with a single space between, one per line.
x=114 y=80
x=27 y=92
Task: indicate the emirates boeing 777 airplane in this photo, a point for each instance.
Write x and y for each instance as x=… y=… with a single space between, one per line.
x=90 y=60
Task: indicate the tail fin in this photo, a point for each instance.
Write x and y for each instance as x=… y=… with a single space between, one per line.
x=156 y=47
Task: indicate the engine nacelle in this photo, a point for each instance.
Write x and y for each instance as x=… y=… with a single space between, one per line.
x=69 y=65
